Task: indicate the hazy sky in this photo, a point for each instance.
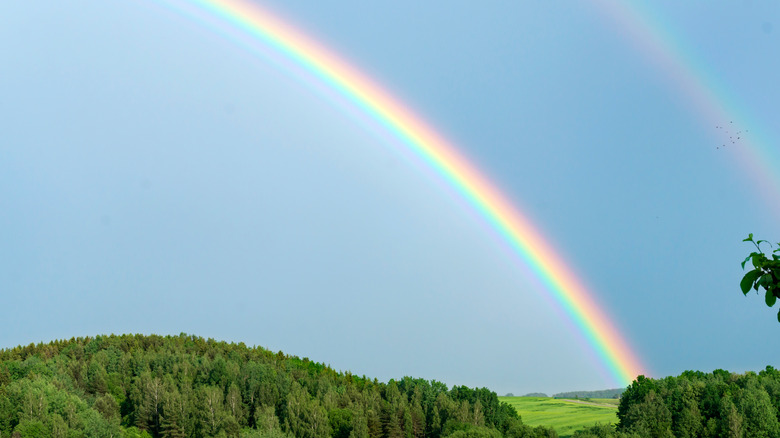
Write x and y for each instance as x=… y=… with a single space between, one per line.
x=157 y=178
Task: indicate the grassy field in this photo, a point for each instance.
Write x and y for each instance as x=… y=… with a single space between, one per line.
x=605 y=401
x=564 y=416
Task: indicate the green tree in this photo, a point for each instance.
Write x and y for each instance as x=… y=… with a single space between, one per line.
x=58 y=427
x=651 y=417
x=359 y=425
x=265 y=418
x=174 y=415
x=374 y=423
x=340 y=422
x=234 y=404
x=230 y=426
x=418 y=420
x=107 y=406
x=306 y=417
x=730 y=419
x=211 y=409
x=391 y=425
x=686 y=416
x=759 y=415
x=35 y=404
x=32 y=429
x=96 y=378
x=147 y=400
x=544 y=432
x=95 y=426
x=765 y=273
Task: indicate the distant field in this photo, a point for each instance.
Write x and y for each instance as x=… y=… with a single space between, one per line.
x=565 y=417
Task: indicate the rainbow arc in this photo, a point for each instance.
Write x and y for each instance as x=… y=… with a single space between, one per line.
x=260 y=27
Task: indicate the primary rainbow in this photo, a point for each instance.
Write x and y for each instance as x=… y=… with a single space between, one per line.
x=250 y=24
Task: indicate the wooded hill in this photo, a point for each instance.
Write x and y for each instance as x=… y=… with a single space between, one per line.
x=187 y=386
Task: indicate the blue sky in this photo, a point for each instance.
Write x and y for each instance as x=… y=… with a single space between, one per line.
x=156 y=178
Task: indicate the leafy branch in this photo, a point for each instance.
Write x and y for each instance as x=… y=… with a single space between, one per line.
x=765 y=272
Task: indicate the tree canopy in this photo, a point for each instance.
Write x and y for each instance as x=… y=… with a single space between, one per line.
x=697 y=404
x=186 y=386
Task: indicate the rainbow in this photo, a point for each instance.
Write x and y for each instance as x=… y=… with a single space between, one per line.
x=713 y=104
x=250 y=25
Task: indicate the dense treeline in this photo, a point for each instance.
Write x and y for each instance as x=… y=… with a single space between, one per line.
x=604 y=393
x=187 y=386
x=697 y=404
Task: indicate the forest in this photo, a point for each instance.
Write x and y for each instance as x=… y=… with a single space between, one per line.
x=187 y=386
x=698 y=404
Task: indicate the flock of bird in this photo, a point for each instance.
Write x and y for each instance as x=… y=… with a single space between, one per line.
x=732 y=137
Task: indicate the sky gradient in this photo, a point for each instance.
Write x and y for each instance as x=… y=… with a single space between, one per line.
x=157 y=178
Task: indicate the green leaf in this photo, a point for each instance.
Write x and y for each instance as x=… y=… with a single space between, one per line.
x=748 y=280
x=749 y=238
x=745 y=261
x=778 y=316
x=765 y=281
x=770 y=298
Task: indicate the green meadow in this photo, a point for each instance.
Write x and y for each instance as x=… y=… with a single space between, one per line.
x=565 y=416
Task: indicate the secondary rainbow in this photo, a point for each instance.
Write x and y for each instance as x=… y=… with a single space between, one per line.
x=250 y=25
x=657 y=41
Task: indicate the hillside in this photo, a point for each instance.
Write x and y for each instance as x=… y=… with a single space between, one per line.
x=176 y=386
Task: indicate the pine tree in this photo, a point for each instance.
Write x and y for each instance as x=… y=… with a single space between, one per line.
x=173 y=419
x=359 y=425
